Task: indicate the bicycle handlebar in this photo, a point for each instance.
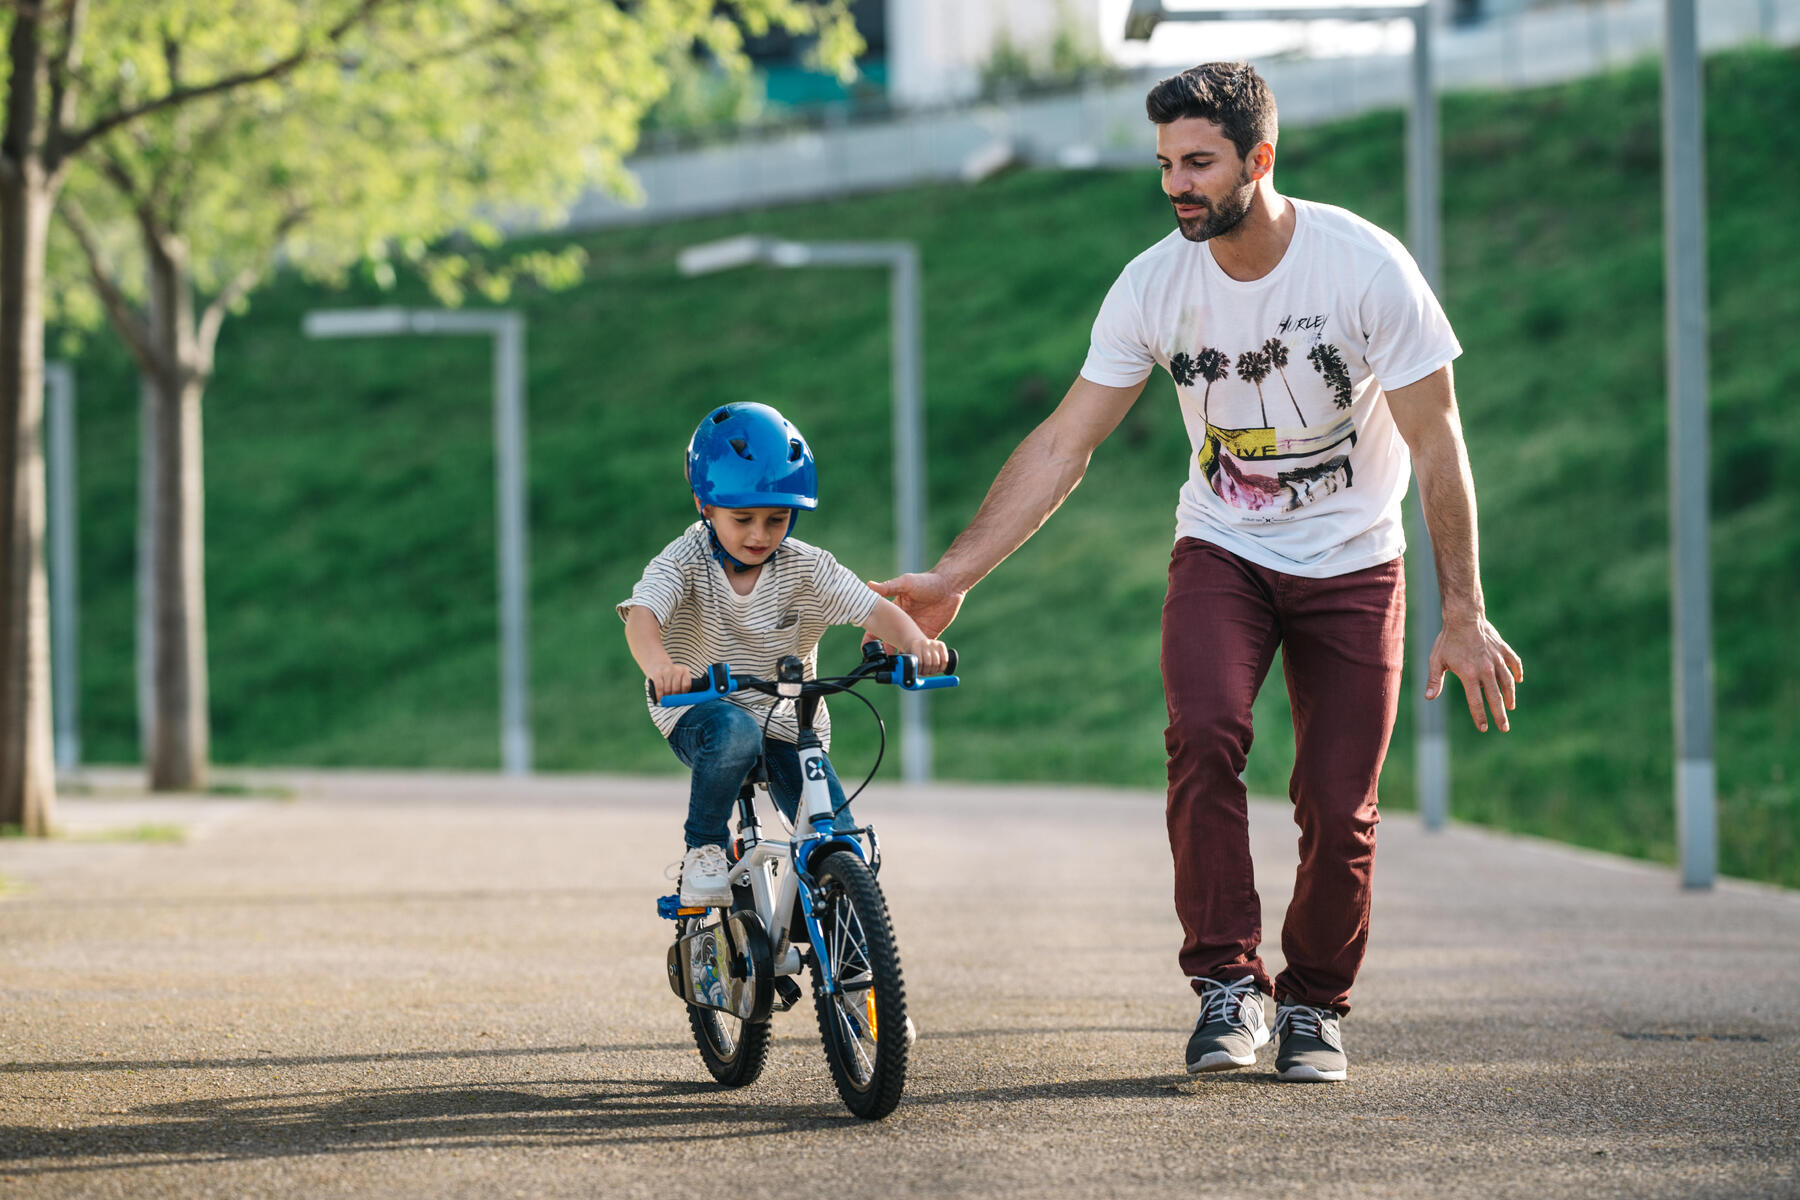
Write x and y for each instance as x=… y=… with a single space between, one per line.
x=899 y=669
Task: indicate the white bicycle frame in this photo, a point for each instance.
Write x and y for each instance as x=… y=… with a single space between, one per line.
x=775 y=890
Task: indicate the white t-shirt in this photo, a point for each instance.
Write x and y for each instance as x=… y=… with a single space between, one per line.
x=1297 y=464
x=798 y=596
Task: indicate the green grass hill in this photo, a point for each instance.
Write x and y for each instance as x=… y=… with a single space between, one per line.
x=350 y=496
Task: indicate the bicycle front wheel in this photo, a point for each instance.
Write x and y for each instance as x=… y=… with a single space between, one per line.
x=862 y=1018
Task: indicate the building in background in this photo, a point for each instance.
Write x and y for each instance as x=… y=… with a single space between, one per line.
x=943 y=51
x=929 y=53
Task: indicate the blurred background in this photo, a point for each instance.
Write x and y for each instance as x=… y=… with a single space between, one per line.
x=349 y=520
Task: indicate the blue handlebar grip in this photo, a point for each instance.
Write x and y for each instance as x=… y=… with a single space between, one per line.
x=928 y=682
x=683 y=699
x=717 y=681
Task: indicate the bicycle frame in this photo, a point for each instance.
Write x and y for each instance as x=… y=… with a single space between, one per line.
x=774 y=890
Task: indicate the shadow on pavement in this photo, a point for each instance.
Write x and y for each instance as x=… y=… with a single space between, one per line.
x=613 y=1112
x=253 y=1061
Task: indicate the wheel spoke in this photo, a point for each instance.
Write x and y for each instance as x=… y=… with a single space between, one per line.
x=854 y=1041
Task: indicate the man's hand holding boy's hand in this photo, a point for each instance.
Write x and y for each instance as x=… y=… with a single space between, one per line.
x=671 y=680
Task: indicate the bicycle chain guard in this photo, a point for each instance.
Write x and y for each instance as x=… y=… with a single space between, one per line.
x=725 y=965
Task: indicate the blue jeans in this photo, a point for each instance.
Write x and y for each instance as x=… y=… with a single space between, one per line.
x=720 y=743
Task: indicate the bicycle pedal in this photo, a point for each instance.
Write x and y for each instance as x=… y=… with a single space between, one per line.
x=670 y=908
x=787 y=993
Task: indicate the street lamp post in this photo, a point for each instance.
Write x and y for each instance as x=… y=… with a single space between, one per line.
x=1424 y=161
x=1684 y=209
x=65 y=674
x=507 y=328
x=902 y=258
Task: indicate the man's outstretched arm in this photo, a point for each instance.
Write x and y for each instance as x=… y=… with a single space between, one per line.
x=1037 y=478
x=1468 y=645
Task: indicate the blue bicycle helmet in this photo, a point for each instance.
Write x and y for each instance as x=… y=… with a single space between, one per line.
x=747 y=455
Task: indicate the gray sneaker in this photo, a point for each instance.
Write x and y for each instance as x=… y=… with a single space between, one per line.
x=1231 y=1027
x=1308 y=1047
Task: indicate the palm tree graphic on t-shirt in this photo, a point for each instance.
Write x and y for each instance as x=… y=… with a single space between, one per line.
x=1329 y=363
x=1181 y=368
x=1264 y=472
x=1276 y=351
x=1209 y=364
x=1253 y=367
x=1213 y=366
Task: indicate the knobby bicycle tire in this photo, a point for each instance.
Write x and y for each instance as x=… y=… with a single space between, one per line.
x=867 y=1056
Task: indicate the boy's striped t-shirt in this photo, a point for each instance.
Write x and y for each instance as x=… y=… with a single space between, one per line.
x=797 y=597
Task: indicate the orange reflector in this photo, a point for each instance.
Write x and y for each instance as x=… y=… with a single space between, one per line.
x=869 y=1008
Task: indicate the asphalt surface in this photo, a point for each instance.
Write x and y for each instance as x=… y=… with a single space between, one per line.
x=446 y=985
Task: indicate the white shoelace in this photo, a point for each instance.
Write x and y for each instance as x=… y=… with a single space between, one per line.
x=712 y=860
x=1298 y=1018
x=1225 y=1001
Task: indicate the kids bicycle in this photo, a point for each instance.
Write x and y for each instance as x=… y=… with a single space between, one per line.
x=807 y=901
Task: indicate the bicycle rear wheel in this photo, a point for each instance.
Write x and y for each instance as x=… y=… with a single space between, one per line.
x=862 y=1020
x=733 y=1050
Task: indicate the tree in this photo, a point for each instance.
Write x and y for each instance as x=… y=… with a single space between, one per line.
x=1213 y=366
x=1276 y=351
x=227 y=132
x=1330 y=365
x=1253 y=367
x=1209 y=364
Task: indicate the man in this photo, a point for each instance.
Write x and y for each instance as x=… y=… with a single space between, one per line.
x=1310 y=358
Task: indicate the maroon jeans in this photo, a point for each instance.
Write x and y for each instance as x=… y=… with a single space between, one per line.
x=1342 y=640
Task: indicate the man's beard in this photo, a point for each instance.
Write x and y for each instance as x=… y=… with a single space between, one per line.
x=1220 y=218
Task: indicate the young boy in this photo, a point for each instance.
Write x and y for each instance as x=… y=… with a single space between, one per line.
x=735 y=587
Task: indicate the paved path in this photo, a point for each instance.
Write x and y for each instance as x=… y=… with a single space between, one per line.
x=453 y=985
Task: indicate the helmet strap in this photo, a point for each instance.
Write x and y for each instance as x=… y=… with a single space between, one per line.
x=723 y=556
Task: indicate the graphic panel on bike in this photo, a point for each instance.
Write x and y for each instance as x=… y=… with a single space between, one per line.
x=725 y=966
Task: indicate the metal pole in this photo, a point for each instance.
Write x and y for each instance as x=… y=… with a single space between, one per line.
x=65 y=674
x=511 y=519
x=1684 y=226
x=1432 y=754
x=909 y=484
x=509 y=498
x=146 y=567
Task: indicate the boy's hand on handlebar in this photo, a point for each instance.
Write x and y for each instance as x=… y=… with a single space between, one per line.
x=933 y=655
x=672 y=680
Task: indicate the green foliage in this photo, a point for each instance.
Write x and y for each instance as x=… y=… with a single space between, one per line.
x=428 y=119
x=350 y=495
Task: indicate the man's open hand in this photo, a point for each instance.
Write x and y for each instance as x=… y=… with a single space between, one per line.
x=925 y=597
x=1477 y=655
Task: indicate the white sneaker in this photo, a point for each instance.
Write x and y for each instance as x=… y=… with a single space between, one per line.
x=705 y=878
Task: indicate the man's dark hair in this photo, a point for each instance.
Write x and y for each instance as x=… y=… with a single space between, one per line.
x=1229 y=94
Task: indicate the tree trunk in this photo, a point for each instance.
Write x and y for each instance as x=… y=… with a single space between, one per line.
x=27 y=757
x=180 y=731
